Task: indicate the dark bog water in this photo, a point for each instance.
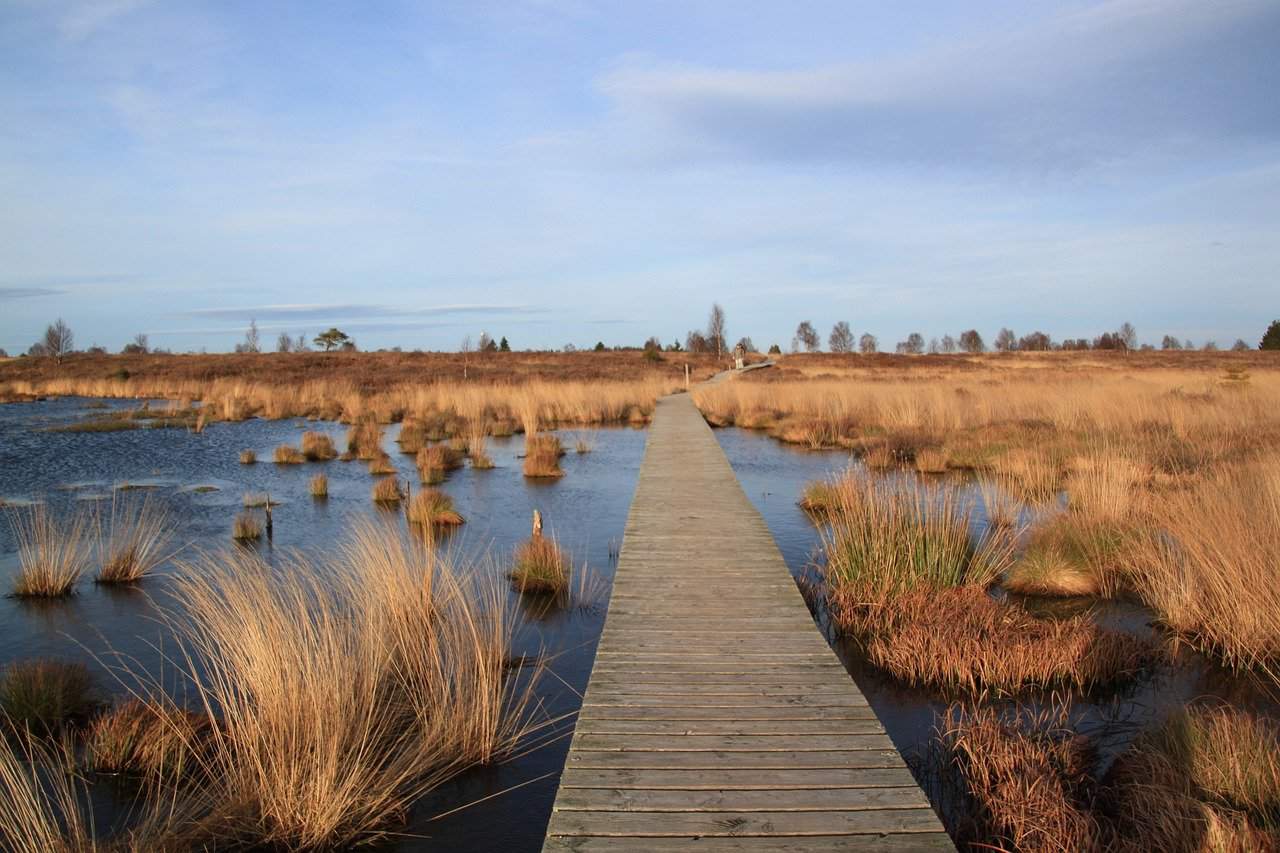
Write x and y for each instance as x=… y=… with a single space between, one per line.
x=198 y=476
x=774 y=475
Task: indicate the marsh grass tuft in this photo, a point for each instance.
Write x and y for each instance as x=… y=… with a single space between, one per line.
x=135 y=542
x=1208 y=565
x=542 y=456
x=433 y=508
x=387 y=491
x=43 y=801
x=381 y=465
x=1070 y=554
x=344 y=693
x=246 y=527
x=42 y=696
x=364 y=439
x=151 y=738
x=541 y=567
x=319 y=486
x=248 y=457
x=318 y=447
x=963 y=641
x=286 y=454
x=53 y=553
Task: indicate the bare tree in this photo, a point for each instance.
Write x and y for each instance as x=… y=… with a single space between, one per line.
x=841 y=339
x=807 y=337
x=971 y=342
x=465 y=349
x=284 y=343
x=1129 y=335
x=300 y=344
x=913 y=345
x=252 y=341
x=138 y=346
x=58 y=340
x=934 y=346
x=867 y=344
x=948 y=343
x=715 y=330
x=1006 y=340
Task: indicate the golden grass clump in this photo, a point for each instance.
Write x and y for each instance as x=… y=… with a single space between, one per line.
x=286 y=454
x=1033 y=473
x=346 y=693
x=1102 y=487
x=364 y=439
x=931 y=460
x=150 y=738
x=1000 y=504
x=246 y=527
x=41 y=696
x=961 y=640
x=135 y=542
x=387 y=491
x=542 y=456
x=897 y=537
x=248 y=457
x=1070 y=554
x=53 y=553
x=541 y=566
x=318 y=447
x=435 y=461
x=43 y=801
x=1023 y=779
x=1208 y=567
x=818 y=497
x=433 y=508
x=381 y=465
x=319 y=486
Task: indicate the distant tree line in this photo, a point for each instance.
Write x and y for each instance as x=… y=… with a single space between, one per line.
x=58 y=342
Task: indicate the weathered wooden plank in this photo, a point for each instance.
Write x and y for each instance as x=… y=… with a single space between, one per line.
x=741 y=713
x=590 y=724
x=865 y=843
x=736 y=760
x=737 y=824
x=660 y=742
x=723 y=778
x=795 y=799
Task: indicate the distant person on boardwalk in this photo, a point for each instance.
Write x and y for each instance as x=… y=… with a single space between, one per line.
x=739 y=356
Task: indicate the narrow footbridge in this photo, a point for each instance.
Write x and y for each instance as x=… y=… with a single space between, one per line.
x=716 y=716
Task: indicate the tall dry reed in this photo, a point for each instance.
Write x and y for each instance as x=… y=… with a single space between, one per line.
x=136 y=540
x=344 y=694
x=53 y=553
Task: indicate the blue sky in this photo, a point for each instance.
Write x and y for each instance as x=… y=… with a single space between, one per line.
x=569 y=171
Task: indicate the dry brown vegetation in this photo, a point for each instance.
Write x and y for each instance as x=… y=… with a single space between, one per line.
x=387 y=491
x=41 y=696
x=53 y=553
x=288 y=455
x=345 y=693
x=318 y=447
x=246 y=527
x=248 y=457
x=1204 y=781
x=541 y=566
x=907 y=581
x=433 y=508
x=318 y=486
x=135 y=541
x=1166 y=464
x=567 y=389
x=542 y=454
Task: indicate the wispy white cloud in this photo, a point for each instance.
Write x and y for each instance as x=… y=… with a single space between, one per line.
x=83 y=18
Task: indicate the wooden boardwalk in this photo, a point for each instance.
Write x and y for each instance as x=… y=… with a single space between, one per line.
x=716 y=716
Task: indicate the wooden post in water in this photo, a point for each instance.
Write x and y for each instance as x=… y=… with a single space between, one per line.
x=269 y=521
x=537 y=524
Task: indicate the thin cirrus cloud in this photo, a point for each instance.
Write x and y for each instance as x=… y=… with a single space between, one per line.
x=8 y=293
x=1109 y=82
x=356 y=312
